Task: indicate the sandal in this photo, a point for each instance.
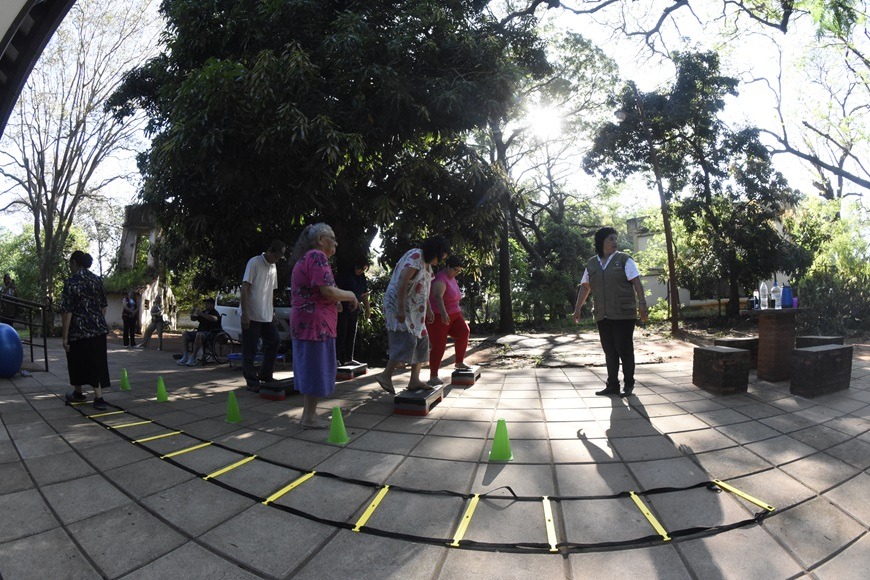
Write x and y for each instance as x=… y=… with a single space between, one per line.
x=385 y=386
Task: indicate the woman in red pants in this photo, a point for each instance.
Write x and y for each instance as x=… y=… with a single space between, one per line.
x=444 y=299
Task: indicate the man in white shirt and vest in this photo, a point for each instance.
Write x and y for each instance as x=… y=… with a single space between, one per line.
x=258 y=315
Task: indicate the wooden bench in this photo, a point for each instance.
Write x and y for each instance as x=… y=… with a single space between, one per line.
x=819 y=370
x=721 y=370
x=749 y=343
x=805 y=341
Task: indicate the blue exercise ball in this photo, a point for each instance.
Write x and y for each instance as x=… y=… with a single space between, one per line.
x=11 y=351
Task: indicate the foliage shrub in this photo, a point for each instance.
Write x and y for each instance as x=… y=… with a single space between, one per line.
x=834 y=303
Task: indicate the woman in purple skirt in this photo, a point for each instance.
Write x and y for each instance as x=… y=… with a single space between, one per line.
x=313 y=318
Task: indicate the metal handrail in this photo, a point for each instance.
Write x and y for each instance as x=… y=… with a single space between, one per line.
x=30 y=308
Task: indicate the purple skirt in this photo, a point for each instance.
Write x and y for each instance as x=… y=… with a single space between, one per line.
x=314 y=367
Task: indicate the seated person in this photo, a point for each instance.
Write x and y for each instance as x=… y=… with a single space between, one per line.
x=209 y=320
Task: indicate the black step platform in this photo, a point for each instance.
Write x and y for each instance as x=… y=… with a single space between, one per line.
x=465 y=376
x=350 y=371
x=418 y=403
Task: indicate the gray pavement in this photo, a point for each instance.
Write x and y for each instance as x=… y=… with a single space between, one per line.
x=79 y=500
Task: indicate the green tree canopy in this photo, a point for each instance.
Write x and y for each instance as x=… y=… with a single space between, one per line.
x=268 y=115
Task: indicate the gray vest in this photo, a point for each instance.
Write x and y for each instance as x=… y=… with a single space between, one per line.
x=612 y=293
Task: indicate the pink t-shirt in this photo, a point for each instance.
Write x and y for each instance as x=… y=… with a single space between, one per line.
x=452 y=294
x=312 y=317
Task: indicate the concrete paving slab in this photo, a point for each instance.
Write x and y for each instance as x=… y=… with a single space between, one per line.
x=208 y=459
x=583 y=450
x=470 y=429
x=248 y=440
x=303 y=455
x=41 y=446
x=854 y=452
x=329 y=498
x=727 y=556
x=386 y=442
x=593 y=479
x=820 y=437
x=453 y=448
x=525 y=480
x=8 y=453
x=196 y=562
x=851 y=497
x=679 y=472
x=655 y=562
x=781 y=449
x=603 y=520
x=365 y=465
x=259 y=478
x=433 y=474
x=267 y=540
x=638 y=427
x=56 y=468
x=83 y=497
x=732 y=462
x=14 y=477
x=820 y=472
x=800 y=529
x=24 y=513
x=50 y=554
x=196 y=506
x=429 y=516
x=124 y=539
x=645 y=448
x=774 y=488
x=147 y=477
x=851 y=564
x=356 y=555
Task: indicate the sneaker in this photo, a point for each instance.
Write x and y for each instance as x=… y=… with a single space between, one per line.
x=435 y=382
x=76 y=397
x=608 y=391
x=191 y=362
x=100 y=404
x=182 y=361
x=253 y=387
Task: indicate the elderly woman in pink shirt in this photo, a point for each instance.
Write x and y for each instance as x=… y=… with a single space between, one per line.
x=444 y=297
x=313 y=318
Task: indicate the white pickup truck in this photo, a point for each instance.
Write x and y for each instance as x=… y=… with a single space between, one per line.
x=228 y=305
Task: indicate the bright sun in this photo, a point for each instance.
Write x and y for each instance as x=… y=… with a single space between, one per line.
x=544 y=122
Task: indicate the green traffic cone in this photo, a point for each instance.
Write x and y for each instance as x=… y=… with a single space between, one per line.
x=501 y=445
x=162 y=397
x=125 y=382
x=233 y=413
x=337 y=433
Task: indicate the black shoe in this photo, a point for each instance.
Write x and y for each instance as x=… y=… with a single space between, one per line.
x=627 y=390
x=76 y=397
x=254 y=387
x=608 y=391
x=100 y=404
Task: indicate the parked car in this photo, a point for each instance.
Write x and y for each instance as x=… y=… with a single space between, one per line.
x=228 y=305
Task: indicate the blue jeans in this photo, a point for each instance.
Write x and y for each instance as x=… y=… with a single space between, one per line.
x=268 y=331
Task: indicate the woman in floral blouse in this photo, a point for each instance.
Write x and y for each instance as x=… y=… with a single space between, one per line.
x=83 y=308
x=313 y=318
x=406 y=311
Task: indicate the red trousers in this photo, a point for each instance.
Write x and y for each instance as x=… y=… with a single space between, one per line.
x=458 y=329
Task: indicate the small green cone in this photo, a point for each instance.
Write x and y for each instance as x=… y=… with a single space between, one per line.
x=501 y=445
x=125 y=382
x=162 y=397
x=337 y=433
x=233 y=413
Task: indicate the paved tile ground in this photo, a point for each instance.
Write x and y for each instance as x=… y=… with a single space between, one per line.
x=79 y=500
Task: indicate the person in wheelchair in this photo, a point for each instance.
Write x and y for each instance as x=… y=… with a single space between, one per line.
x=209 y=321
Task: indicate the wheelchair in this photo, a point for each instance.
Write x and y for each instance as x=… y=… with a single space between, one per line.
x=216 y=345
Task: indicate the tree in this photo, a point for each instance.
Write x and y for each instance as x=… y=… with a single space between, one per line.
x=727 y=193
x=56 y=150
x=102 y=221
x=270 y=115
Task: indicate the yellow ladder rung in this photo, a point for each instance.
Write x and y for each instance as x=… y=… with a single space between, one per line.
x=124 y=425
x=230 y=467
x=106 y=414
x=745 y=496
x=161 y=436
x=551 y=526
x=466 y=520
x=372 y=507
x=187 y=450
x=650 y=518
x=296 y=483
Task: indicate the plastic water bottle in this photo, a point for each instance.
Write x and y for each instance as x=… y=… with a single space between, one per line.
x=762 y=294
x=787 y=297
x=776 y=294
x=756 y=301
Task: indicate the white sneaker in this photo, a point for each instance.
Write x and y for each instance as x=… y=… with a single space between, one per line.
x=182 y=360
x=191 y=362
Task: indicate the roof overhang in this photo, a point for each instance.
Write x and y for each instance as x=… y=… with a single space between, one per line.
x=26 y=27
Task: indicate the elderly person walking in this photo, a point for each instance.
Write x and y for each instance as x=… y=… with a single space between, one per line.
x=313 y=318
x=444 y=300
x=156 y=324
x=84 y=330
x=614 y=282
x=407 y=310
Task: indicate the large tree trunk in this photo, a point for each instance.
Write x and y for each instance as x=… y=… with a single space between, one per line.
x=506 y=311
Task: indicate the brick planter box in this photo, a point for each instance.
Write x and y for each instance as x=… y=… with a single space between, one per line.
x=819 y=370
x=749 y=343
x=805 y=341
x=721 y=370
